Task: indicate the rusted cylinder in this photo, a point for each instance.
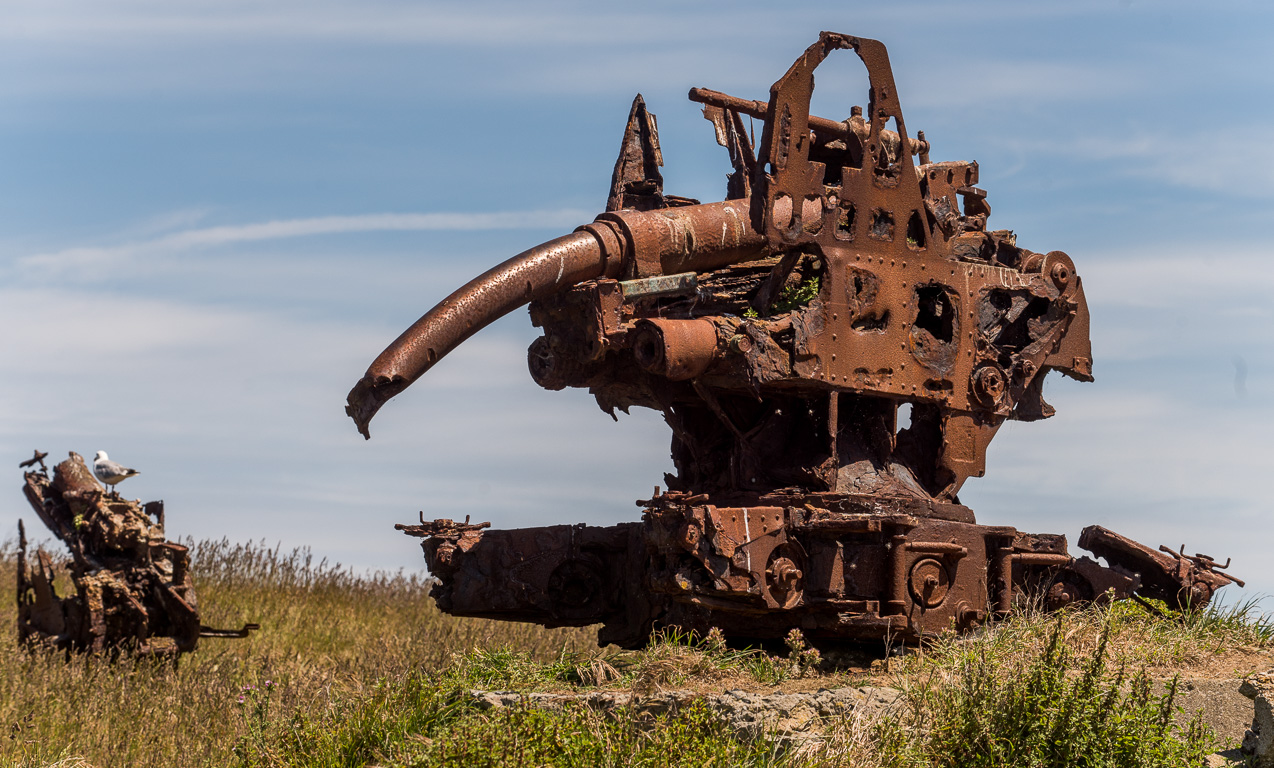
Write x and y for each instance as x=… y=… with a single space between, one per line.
x=1004 y=580
x=693 y=238
x=642 y=243
x=898 y=561
x=181 y=562
x=677 y=349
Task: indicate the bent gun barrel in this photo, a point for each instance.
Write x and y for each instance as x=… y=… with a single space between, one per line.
x=652 y=242
x=530 y=275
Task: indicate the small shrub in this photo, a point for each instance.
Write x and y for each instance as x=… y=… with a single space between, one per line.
x=254 y=709
x=674 y=657
x=802 y=659
x=1000 y=711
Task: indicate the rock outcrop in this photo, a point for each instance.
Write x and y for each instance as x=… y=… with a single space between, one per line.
x=787 y=716
x=1258 y=742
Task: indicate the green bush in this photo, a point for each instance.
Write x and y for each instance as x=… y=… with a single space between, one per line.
x=1047 y=711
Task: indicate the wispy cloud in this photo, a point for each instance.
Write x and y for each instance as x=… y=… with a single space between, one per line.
x=165 y=223
x=92 y=261
x=1181 y=156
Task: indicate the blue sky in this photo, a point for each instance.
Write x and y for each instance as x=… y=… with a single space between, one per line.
x=213 y=215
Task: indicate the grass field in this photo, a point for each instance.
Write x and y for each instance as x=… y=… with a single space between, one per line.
x=352 y=670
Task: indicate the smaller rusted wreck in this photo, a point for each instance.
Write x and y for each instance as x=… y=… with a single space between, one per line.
x=132 y=586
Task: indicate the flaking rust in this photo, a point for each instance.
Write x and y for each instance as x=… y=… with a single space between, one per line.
x=845 y=279
x=132 y=586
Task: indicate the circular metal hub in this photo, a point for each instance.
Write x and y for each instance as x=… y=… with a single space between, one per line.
x=930 y=582
x=784 y=578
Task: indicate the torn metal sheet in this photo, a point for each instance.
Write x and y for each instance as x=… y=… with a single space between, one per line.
x=833 y=346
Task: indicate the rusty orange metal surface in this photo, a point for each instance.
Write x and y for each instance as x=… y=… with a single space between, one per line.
x=833 y=346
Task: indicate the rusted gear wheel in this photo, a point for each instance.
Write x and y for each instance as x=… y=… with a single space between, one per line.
x=989 y=385
x=930 y=582
x=785 y=576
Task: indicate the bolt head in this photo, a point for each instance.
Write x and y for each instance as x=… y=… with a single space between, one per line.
x=1061 y=275
x=989 y=385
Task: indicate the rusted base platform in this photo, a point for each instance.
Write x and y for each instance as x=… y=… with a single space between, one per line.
x=835 y=566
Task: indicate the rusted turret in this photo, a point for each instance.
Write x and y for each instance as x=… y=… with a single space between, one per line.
x=833 y=346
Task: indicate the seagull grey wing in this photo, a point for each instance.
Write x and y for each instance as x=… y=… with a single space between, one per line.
x=108 y=470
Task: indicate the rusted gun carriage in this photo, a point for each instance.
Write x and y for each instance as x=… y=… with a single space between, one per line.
x=780 y=332
x=132 y=586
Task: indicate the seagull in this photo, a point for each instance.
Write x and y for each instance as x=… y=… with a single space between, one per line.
x=110 y=472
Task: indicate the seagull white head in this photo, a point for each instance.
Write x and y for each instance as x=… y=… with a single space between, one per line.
x=101 y=456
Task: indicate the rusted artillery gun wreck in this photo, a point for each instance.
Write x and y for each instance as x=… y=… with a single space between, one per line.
x=780 y=332
x=133 y=590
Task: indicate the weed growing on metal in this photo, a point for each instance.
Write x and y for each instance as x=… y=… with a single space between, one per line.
x=796 y=296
